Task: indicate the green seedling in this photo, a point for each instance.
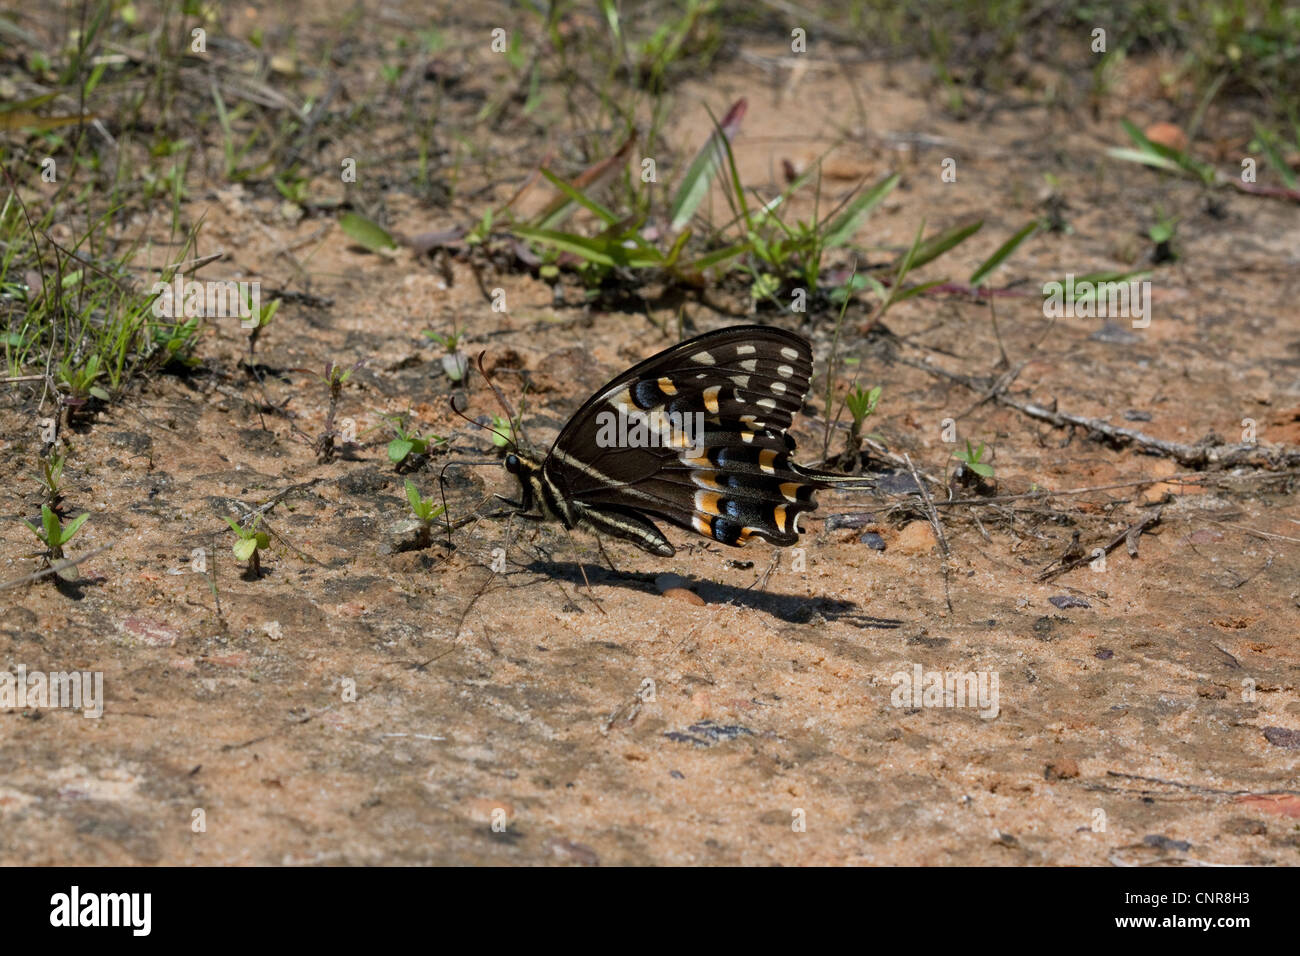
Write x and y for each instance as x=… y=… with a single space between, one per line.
x=79 y=378
x=335 y=378
x=51 y=478
x=425 y=511
x=408 y=444
x=250 y=543
x=293 y=186
x=54 y=536
x=455 y=363
x=502 y=428
x=1162 y=233
x=972 y=458
x=258 y=322
x=861 y=405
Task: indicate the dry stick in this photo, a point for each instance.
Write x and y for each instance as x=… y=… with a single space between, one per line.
x=1200 y=455
x=1129 y=535
x=1196 y=788
x=54 y=568
x=937 y=525
x=1189 y=479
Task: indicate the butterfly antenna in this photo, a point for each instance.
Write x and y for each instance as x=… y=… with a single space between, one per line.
x=487 y=428
x=515 y=421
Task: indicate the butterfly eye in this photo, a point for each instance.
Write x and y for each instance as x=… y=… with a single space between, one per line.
x=512 y=463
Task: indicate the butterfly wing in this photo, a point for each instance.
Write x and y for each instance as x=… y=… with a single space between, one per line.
x=727 y=475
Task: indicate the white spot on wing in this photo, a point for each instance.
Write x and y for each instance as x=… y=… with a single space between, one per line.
x=745 y=350
x=749 y=365
x=704 y=358
x=784 y=371
x=789 y=353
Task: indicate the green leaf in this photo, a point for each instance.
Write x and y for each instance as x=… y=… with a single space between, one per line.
x=53 y=531
x=413 y=496
x=366 y=233
x=713 y=258
x=234 y=526
x=913 y=290
x=99 y=393
x=1147 y=159
x=704 y=167
x=1003 y=251
x=399 y=448
x=73 y=528
x=605 y=252
x=936 y=246
x=36 y=531
x=980 y=469
x=244 y=548
x=846 y=224
x=576 y=196
x=262 y=540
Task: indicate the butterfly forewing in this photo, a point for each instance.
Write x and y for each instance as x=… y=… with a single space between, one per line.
x=730 y=481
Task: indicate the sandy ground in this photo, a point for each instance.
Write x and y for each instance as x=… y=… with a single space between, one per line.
x=364 y=702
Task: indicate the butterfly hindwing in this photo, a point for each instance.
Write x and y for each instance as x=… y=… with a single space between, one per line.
x=731 y=478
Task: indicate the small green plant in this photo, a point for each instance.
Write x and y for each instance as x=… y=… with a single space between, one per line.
x=250 y=543
x=260 y=321
x=79 y=378
x=407 y=445
x=502 y=428
x=54 y=536
x=481 y=230
x=293 y=186
x=51 y=478
x=972 y=458
x=425 y=511
x=861 y=405
x=455 y=363
x=1162 y=234
x=335 y=378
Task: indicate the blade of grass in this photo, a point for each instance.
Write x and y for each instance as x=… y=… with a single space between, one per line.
x=992 y=262
x=607 y=251
x=704 y=167
x=936 y=246
x=846 y=224
x=576 y=196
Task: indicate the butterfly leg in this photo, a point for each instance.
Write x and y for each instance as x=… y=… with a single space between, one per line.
x=583 y=568
x=600 y=544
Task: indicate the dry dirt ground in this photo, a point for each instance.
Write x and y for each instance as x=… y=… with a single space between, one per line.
x=367 y=703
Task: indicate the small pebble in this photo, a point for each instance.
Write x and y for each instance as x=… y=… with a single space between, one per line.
x=873 y=541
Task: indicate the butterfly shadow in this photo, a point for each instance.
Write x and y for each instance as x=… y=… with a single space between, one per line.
x=791 y=608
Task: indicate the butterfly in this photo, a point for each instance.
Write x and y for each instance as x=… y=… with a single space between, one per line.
x=696 y=435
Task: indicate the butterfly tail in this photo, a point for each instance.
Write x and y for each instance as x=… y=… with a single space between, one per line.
x=830 y=479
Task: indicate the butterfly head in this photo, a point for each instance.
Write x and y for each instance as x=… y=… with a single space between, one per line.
x=521 y=464
x=528 y=470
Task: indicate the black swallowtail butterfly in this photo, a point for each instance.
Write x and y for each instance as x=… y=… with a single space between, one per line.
x=696 y=435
